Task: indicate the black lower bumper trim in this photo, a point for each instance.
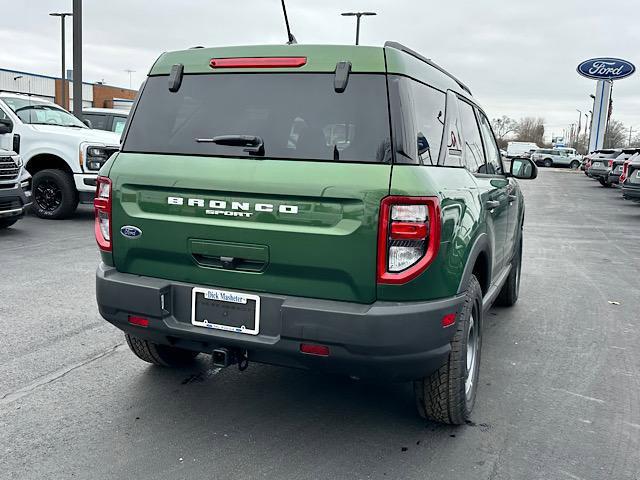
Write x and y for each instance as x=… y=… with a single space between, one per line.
x=400 y=341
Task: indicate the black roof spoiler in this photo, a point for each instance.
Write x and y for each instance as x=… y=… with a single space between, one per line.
x=413 y=53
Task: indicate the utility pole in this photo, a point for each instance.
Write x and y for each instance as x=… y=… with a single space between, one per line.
x=77 y=58
x=358 y=15
x=630 y=132
x=63 y=77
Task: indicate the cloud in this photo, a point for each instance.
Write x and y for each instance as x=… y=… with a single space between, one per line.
x=519 y=58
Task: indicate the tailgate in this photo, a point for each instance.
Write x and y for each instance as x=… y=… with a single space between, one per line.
x=299 y=228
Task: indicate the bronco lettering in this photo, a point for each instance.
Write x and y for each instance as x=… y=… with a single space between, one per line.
x=236 y=209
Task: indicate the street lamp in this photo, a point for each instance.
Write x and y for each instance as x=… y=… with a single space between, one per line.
x=63 y=16
x=130 y=72
x=577 y=139
x=358 y=15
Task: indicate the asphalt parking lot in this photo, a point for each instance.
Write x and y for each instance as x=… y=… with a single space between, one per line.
x=559 y=395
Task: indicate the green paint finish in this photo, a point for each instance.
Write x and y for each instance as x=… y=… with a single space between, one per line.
x=325 y=250
x=402 y=64
x=457 y=193
x=320 y=58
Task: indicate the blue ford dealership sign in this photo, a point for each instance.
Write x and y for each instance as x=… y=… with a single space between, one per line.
x=606 y=69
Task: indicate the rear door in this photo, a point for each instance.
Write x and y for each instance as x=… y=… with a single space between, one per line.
x=493 y=186
x=297 y=215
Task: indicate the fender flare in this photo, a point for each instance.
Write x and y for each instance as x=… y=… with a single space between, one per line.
x=481 y=245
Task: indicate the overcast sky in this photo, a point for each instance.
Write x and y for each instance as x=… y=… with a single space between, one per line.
x=519 y=57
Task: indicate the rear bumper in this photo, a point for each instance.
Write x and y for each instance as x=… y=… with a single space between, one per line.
x=14 y=201
x=400 y=341
x=613 y=178
x=631 y=192
x=598 y=173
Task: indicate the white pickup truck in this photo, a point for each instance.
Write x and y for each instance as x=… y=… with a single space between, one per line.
x=61 y=153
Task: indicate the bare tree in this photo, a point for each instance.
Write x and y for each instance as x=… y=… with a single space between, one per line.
x=617 y=135
x=503 y=127
x=531 y=130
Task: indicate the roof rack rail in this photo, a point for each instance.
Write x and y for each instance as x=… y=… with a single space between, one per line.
x=413 y=53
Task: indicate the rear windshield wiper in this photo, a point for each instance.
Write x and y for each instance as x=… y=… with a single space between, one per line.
x=253 y=144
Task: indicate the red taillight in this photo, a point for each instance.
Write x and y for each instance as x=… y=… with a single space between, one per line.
x=102 y=209
x=318 y=350
x=448 y=320
x=409 y=231
x=408 y=237
x=138 y=321
x=258 y=62
x=610 y=163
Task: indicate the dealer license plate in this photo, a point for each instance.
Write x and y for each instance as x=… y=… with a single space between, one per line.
x=225 y=310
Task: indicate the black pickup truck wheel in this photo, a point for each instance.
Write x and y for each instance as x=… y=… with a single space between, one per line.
x=54 y=194
x=448 y=395
x=162 y=355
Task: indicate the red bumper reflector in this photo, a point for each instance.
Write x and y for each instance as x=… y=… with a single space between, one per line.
x=448 y=320
x=318 y=350
x=408 y=231
x=258 y=62
x=139 y=321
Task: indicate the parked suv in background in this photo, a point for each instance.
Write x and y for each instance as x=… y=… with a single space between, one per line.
x=631 y=185
x=15 y=188
x=600 y=166
x=556 y=157
x=334 y=208
x=107 y=119
x=60 y=151
x=617 y=165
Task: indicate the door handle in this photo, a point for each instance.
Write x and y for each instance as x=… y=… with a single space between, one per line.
x=492 y=204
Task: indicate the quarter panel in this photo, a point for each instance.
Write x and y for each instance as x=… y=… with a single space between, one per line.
x=460 y=206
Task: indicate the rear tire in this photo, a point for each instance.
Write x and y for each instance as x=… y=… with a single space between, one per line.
x=548 y=163
x=7 y=222
x=448 y=395
x=54 y=194
x=604 y=182
x=575 y=165
x=508 y=296
x=162 y=355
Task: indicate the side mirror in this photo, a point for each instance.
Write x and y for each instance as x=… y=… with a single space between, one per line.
x=6 y=126
x=87 y=122
x=423 y=144
x=523 y=169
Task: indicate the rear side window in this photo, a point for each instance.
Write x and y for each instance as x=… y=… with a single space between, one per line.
x=473 y=154
x=420 y=109
x=297 y=116
x=98 y=122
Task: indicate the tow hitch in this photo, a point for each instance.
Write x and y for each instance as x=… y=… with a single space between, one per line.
x=225 y=357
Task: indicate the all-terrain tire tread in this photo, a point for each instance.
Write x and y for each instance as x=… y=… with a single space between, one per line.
x=441 y=396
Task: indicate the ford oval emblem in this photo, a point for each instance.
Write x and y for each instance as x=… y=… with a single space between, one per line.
x=606 y=69
x=130 y=231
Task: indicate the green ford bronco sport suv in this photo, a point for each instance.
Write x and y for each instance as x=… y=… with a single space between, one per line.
x=335 y=208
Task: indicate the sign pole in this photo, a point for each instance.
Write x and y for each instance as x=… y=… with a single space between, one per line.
x=600 y=115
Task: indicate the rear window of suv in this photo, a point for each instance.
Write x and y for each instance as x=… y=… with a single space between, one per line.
x=298 y=116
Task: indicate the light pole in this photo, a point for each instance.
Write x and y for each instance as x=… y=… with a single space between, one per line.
x=579 y=128
x=130 y=72
x=77 y=58
x=358 y=15
x=63 y=98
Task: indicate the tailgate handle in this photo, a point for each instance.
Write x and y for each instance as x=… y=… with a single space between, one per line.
x=229 y=256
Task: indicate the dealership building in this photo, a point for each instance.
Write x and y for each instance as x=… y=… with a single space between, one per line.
x=50 y=88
